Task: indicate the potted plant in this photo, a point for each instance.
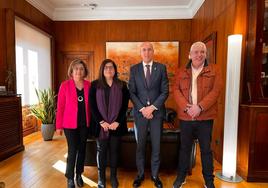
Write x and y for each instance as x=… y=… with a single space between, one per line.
x=45 y=111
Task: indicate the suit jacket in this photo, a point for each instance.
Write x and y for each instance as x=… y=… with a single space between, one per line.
x=67 y=106
x=96 y=117
x=156 y=92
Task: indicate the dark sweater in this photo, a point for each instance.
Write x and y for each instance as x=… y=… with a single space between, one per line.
x=96 y=117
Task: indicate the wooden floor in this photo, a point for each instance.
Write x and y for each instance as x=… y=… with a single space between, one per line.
x=42 y=164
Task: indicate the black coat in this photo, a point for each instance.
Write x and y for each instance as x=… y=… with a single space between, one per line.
x=96 y=117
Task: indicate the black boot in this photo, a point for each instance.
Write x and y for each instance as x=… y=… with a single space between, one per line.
x=79 y=180
x=70 y=183
x=101 y=179
x=113 y=176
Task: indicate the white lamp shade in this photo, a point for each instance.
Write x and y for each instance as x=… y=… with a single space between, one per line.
x=231 y=106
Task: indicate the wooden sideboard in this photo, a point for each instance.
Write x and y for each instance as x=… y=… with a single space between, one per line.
x=252 y=150
x=11 y=140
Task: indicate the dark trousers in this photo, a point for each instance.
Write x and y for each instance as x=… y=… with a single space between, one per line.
x=142 y=126
x=76 y=140
x=201 y=130
x=102 y=147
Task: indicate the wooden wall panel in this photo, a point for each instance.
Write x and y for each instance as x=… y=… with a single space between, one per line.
x=92 y=36
x=29 y=13
x=10 y=48
x=3 y=66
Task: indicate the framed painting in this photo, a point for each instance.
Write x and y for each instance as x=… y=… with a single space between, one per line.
x=210 y=42
x=126 y=54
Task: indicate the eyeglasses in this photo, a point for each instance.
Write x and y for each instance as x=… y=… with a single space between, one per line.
x=108 y=67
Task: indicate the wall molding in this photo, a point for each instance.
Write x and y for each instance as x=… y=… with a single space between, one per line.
x=117 y=13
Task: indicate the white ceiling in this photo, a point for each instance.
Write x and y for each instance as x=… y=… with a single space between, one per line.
x=117 y=9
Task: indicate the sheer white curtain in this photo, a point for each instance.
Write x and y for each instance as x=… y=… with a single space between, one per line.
x=33 y=61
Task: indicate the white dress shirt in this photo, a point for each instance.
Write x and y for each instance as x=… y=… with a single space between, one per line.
x=145 y=68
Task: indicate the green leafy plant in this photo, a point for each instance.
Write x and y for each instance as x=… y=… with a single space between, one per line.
x=46 y=109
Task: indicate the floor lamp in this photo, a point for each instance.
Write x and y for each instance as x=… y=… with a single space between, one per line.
x=231 y=110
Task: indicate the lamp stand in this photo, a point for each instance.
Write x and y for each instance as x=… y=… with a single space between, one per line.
x=235 y=179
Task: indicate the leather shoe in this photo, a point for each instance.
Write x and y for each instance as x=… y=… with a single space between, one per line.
x=79 y=180
x=178 y=183
x=70 y=183
x=209 y=185
x=157 y=182
x=114 y=182
x=138 y=180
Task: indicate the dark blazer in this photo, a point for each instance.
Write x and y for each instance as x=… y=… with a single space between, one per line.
x=96 y=116
x=156 y=92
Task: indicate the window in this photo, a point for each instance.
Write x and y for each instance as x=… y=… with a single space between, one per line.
x=33 y=61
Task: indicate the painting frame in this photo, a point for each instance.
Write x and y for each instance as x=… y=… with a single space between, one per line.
x=166 y=52
x=211 y=44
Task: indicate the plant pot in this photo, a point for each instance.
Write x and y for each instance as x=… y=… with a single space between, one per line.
x=47 y=131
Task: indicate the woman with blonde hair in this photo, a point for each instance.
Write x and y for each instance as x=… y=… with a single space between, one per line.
x=73 y=117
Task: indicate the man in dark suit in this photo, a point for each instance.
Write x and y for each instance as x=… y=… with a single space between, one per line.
x=148 y=86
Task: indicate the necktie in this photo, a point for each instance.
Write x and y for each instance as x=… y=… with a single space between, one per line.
x=148 y=75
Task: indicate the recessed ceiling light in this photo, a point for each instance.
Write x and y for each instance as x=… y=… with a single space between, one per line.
x=92 y=6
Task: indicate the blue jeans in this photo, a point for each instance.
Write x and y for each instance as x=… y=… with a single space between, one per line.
x=201 y=130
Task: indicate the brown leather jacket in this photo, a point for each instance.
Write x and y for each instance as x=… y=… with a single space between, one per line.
x=209 y=85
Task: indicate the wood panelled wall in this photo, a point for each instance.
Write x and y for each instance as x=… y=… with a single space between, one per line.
x=224 y=17
x=92 y=35
x=22 y=9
